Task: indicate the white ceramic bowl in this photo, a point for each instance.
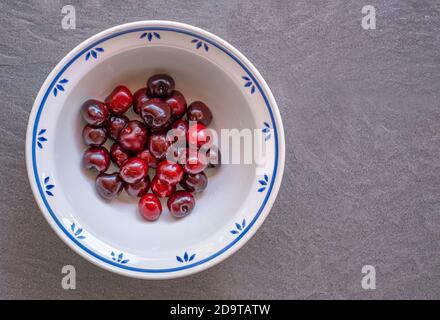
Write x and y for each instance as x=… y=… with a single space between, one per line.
x=112 y=234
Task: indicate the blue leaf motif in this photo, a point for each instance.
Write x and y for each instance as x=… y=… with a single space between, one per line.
x=234 y=232
x=49 y=193
x=94 y=55
x=81 y=237
x=266 y=177
x=194 y=40
x=39 y=145
x=50 y=186
x=261 y=189
x=266 y=124
x=42 y=131
x=46 y=180
x=120 y=257
x=185 y=256
x=143 y=35
x=156 y=35
x=87 y=55
x=199 y=44
x=206 y=47
x=72 y=227
x=42 y=139
x=63 y=81
x=99 y=49
x=249 y=84
x=113 y=254
x=55 y=92
x=60 y=87
x=124 y=261
x=78 y=232
x=238 y=226
x=192 y=257
x=246 y=78
x=253 y=90
x=150 y=36
x=243 y=224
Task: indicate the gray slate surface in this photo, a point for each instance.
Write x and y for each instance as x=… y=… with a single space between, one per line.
x=361 y=111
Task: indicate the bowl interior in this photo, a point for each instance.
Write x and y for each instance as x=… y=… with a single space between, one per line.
x=117 y=222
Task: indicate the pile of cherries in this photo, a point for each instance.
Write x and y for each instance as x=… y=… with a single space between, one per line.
x=139 y=145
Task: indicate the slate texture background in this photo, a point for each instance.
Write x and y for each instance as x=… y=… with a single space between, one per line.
x=361 y=112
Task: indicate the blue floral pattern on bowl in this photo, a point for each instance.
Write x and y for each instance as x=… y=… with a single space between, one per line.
x=186 y=258
x=119 y=258
x=94 y=53
x=150 y=36
x=59 y=86
x=41 y=138
x=249 y=83
x=200 y=43
x=266 y=131
x=48 y=186
x=77 y=231
x=238 y=227
x=263 y=183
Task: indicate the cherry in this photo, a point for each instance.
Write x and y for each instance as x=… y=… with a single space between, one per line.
x=177 y=103
x=150 y=207
x=161 y=188
x=160 y=85
x=115 y=124
x=181 y=203
x=155 y=113
x=148 y=157
x=199 y=135
x=120 y=100
x=108 y=185
x=198 y=111
x=133 y=136
x=194 y=182
x=196 y=162
x=170 y=173
x=133 y=170
x=138 y=189
x=158 y=145
x=214 y=157
x=96 y=158
x=94 y=136
x=118 y=154
x=94 y=112
x=139 y=97
x=181 y=125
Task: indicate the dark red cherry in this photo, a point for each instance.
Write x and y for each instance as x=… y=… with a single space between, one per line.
x=177 y=103
x=139 y=97
x=96 y=158
x=199 y=135
x=214 y=157
x=120 y=100
x=108 y=185
x=138 y=189
x=181 y=203
x=94 y=136
x=158 y=145
x=198 y=111
x=118 y=154
x=161 y=188
x=94 y=112
x=115 y=124
x=196 y=161
x=133 y=170
x=155 y=113
x=181 y=125
x=160 y=85
x=194 y=182
x=133 y=136
x=170 y=173
x=148 y=157
x=150 y=207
